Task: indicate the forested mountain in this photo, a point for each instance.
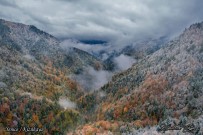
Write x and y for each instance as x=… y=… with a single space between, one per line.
x=136 y=51
x=163 y=87
x=34 y=74
x=35 y=43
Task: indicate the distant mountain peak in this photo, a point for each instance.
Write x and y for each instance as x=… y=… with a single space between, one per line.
x=93 y=42
x=38 y=31
x=23 y=27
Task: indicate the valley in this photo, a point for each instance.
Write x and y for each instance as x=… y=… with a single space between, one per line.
x=70 y=91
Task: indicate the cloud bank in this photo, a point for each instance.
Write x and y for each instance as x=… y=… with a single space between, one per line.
x=66 y=103
x=119 y=22
x=124 y=62
x=92 y=79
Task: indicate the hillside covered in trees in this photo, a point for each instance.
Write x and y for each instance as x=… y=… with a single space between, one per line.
x=163 y=87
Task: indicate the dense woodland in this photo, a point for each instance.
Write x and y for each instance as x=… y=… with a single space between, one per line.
x=163 y=85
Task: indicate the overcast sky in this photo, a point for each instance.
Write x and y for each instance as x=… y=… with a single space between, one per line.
x=119 y=21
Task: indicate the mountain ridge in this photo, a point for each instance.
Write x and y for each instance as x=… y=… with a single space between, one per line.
x=165 y=86
x=35 y=87
x=162 y=88
x=30 y=40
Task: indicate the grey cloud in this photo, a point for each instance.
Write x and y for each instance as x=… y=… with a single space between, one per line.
x=120 y=22
x=8 y=3
x=66 y=103
x=92 y=79
x=124 y=62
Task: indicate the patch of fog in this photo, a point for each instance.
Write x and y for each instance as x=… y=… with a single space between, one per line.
x=63 y=102
x=29 y=57
x=92 y=79
x=102 y=94
x=124 y=62
x=66 y=103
